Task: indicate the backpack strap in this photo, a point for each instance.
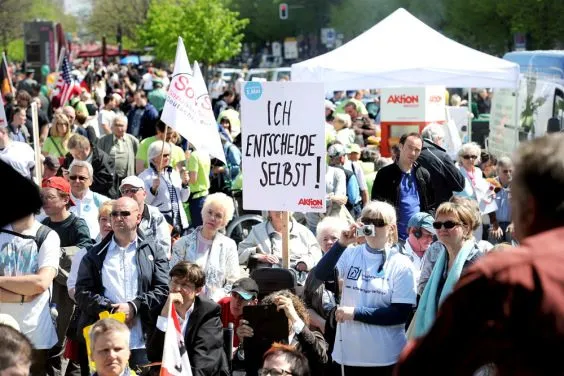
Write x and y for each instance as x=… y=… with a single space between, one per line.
x=39 y=238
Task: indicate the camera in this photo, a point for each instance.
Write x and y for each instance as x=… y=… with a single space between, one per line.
x=366 y=230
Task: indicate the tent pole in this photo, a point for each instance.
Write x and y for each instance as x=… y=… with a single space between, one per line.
x=470 y=116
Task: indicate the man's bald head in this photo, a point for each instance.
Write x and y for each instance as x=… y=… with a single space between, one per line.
x=125 y=218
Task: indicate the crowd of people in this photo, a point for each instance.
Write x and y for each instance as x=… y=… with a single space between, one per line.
x=412 y=268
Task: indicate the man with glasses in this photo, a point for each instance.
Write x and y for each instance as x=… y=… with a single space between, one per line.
x=405 y=184
x=284 y=360
x=199 y=319
x=86 y=202
x=420 y=236
x=501 y=228
x=152 y=222
x=124 y=273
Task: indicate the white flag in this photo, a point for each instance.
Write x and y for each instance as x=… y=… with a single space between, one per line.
x=208 y=123
x=181 y=110
x=3 y=120
x=175 y=358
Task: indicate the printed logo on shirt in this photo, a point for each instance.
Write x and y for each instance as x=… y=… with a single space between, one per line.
x=354 y=273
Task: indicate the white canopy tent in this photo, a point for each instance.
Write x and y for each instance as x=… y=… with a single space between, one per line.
x=402 y=51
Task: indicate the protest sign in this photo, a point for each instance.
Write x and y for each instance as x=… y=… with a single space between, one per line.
x=283 y=146
x=181 y=111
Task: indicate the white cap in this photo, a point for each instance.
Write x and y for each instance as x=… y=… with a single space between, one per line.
x=330 y=105
x=132 y=180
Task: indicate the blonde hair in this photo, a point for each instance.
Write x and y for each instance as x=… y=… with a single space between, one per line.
x=344 y=119
x=79 y=142
x=385 y=211
x=54 y=132
x=462 y=212
x=104 y=326
x=472 y=205
x=223 y=201
x=105 y=209
x=470 y=147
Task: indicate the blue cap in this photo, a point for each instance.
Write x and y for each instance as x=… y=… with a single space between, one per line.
x=422 y=220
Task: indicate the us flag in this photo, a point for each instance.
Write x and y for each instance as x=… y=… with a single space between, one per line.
x=64 y=83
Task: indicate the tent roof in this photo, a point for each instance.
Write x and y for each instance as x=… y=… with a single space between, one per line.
x=402 y=51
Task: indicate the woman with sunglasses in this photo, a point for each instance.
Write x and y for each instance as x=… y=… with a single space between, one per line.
x=378 y=293
x=166 y=188
x=454 y=224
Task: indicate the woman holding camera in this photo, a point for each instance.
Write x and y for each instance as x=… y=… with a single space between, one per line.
x=377 y=296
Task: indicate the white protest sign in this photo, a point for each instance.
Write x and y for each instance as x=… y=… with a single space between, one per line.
x=185 y=108
x=283 y=146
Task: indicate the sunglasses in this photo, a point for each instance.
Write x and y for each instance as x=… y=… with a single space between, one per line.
x=447 y=225
x=126 y=191
x=377 y=222
x=123 y=213
x=78 y=177
x=507 y=171
x=470 y=157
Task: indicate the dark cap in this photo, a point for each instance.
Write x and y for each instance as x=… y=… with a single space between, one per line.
x=246 y=287
x=51 y=162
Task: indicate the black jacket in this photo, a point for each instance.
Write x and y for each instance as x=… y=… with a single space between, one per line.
x=103 y=167
x=152 y=266
x=446 y=177
x=387 y=185
x=203 y=340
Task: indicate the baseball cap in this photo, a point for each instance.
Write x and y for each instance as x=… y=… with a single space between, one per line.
x=336 y=150
x=422 y=220
x=132 y=180
x=58 y=183
x=246 y=287
x=330 y=105
x=51 y=162
x=353 y=148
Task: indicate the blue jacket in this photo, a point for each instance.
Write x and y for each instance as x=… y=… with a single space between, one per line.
x=146 y=126
x=152 y=265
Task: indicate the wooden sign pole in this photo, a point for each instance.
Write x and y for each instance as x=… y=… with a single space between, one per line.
x=285 y=240
x=36 y=145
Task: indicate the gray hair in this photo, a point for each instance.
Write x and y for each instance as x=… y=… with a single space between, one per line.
x=504 y=161
x=85 y=164
x=156 y=149
x=330 y=223
x=120 y=117
x=433 y=132
x=470 y=147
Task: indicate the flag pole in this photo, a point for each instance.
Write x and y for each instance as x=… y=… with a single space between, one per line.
x=162 y=152
x=36 y=144
x=5 y=62
x=285 y=239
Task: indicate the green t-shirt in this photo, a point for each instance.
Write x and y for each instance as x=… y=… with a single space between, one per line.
x=201 y=164
x=176 y=153
x=53 y=145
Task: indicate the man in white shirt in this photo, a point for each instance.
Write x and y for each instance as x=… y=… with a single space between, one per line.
x=29 y=260
x=420 y=236
x=86 y=202
x=17 y=154
x=124 y=273
x=107 y=115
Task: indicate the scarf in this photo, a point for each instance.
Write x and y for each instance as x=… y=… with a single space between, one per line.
x=427 y=310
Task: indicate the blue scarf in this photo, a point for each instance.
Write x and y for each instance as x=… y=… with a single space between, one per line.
x=427 y=310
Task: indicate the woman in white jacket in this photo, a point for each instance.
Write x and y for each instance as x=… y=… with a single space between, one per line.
x=168 y=190
x=214 y=252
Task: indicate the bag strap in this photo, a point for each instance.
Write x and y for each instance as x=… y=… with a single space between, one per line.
x=56 y=147
x=39 y=238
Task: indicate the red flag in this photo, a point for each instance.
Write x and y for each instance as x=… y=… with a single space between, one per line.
x=175 y=357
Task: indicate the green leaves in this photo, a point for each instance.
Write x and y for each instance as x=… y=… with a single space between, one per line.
x=211 y=32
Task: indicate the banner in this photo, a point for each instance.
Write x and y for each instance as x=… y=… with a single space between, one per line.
x=283 y=138
x=208 y=126
x=175 y=360
x=182 y=112
x=5 y=81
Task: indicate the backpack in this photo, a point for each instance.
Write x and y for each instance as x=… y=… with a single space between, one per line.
x=39 y=237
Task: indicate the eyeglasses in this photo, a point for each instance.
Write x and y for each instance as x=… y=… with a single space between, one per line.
x=447 y=225
x=273 y=372
x=507 y=171
x=186 y=287
x=78 y=177
x=126 y=191
x=166 y=155
x=470 y=157
x=122 y=213
x=377 y=222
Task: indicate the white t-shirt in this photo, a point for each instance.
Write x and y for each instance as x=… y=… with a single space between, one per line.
x=20 y=156
x=365 y=345
x=19 y=256
x=415 y=259
x=75 y=265
x=105 y=117
x=216 y=88
x=148 y=82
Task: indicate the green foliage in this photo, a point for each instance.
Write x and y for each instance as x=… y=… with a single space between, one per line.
x=52 y=11
x=212 y=33
x=16 y=50
x=107 y=15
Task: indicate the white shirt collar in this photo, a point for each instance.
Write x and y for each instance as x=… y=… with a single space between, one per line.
x=89 y=196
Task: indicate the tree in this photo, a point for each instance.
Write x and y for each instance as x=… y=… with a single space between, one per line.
x=212 y=33
x=13 y=14
x=107 y=15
